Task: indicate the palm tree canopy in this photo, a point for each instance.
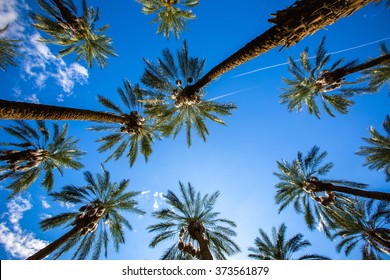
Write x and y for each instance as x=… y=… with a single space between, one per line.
x=8 y=51
x=171 y=14
x=279 y=248
x=313 y=83
x=185 y=211
x=175 y=106
x=77 y=34
x=320 y=209
x=378 y=153
x=37 y=151
x=137 y=133
x=100 y=193
x=368 y=226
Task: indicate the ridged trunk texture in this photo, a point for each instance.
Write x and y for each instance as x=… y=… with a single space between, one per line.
x=292 y=24
x=43 y=253
x=323 y=186
x=11 y=110
x=204 y=248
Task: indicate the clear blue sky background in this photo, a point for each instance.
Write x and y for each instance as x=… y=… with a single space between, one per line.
x=238 y=160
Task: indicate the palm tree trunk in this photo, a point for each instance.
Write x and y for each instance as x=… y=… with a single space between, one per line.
x=11 y=110
x=323 y=186
x=204 y=248
x=44 y=252
x=340 y=72
x=292 y=24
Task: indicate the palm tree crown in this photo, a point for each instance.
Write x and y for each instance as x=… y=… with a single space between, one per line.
x=321 y=208
x=176 y=106
x=137 y=133
x=7 y=51
x=313 y=82
x=172 y=14
x=279 y=248
x=98 y=220
x=378 y=153
x=37 y=151
x=369 y=225
x=76 y=33
x=191 y=220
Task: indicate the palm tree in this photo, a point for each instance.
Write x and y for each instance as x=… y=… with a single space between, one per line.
x=321 y=206
x=98 y=220
x=378 y=153
x=369 y=225
x=176 y=106
x=279 y=248
x=292 y=24
x=137 y=133
x=315 y=82
x=379 y=75
x=77 y=34
x=7 y=51
x=191 y=218
x=36 y=152
x=170 y=13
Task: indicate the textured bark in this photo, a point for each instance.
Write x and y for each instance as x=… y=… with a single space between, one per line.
x=43 y=253
x=292 y=24
x=322 y=187
x=10 y=110
x=204 y=248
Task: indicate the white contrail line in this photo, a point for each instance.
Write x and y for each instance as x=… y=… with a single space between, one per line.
x=335 y=52
x=232 y=93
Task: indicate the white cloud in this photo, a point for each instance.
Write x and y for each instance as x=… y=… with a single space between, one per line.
x=45 y=204
x=158 y=200
x=32 y=98
x=38 y=63
x=67 y=205
x=16 y=241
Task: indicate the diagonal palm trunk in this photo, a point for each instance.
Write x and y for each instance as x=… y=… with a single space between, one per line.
x=292 y=24
x=11 y=110
x=204 y=248
x=341 y=72
x=43 y=253
x=323 y=186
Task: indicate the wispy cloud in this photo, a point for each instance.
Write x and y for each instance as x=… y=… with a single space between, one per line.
x=45 y=204
x=17 y=242
x=38 y=63
x=158 y=200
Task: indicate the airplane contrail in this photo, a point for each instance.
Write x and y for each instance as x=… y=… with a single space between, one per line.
x=232 y=93
x=286 y=63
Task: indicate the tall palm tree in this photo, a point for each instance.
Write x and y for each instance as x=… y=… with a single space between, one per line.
x=380 y=75
x=191 y=219
x=369 y=225
x=7 y=51
x=176 y=107
x=318 y=83
x=98 y=220
x=172 y=14
x=321 y=207
x=378 y=153
x=279 y=248
x=77 y=34
x=36 y=152
x=137 y=133
x=291 y=25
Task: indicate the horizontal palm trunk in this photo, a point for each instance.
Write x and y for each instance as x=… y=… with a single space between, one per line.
x=292 y=24
x=323 y=186
x=44 y=252
x=11 y=110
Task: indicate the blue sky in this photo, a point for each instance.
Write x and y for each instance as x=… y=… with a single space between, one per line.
x=238 y=160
